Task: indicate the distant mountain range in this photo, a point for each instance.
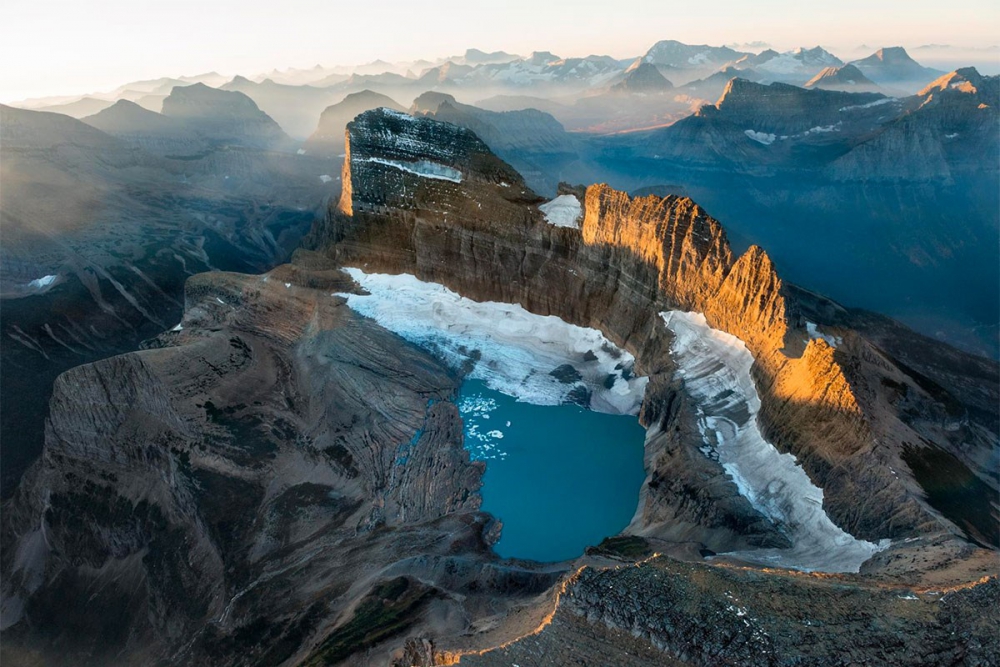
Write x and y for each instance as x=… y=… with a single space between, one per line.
x=296 y=97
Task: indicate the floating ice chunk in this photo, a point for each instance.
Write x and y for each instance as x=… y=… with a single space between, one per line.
x=422 y=168
x=301 y=151
x=951 y=136
x=814 y=332
x=716 y=371
x=563 y=211
x=537 y=359
x=326 y=178
x=760 y=137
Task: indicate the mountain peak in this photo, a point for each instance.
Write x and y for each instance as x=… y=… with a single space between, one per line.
x=893 y=54
x=963 y=80
x=642 y=77
x=847 y=77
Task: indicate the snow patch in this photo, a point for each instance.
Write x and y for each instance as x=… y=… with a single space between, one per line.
x=814 y=332
x=876 y=103
x=563 y=211
x=40 y=285
x=301 y=151
x=422 y=168
x=715 y=367
x=534 y=358
x=760 y=137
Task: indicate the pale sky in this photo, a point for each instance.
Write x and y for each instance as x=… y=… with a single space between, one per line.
x=55 y=47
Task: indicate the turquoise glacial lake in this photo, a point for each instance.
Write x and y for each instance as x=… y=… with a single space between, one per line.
x=560 y=478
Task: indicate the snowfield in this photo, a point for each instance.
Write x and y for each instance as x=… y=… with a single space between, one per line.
x=715 y=367
x=563 y=211
x=760 y=137
x=514 y=351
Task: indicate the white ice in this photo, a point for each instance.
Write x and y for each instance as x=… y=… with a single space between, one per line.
x=512 y=350
x=326 y=178
x=876 y=103
x=41 y=284
x=715 y=367
x=563 y=211
x=760 y=137
x=422 y=168
x=301 y=151
x=814 y=332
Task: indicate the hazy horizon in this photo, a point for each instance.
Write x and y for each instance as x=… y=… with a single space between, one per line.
x=85 y=51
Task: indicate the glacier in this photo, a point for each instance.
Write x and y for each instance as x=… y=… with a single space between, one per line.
x=563 y=211
x=715 y=368
x=538 y=359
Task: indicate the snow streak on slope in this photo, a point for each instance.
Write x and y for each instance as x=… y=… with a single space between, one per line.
x=422 y=168
x=715 y=367
x=537 y=359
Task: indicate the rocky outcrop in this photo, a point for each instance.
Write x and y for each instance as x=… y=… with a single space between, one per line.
x=701 y=616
